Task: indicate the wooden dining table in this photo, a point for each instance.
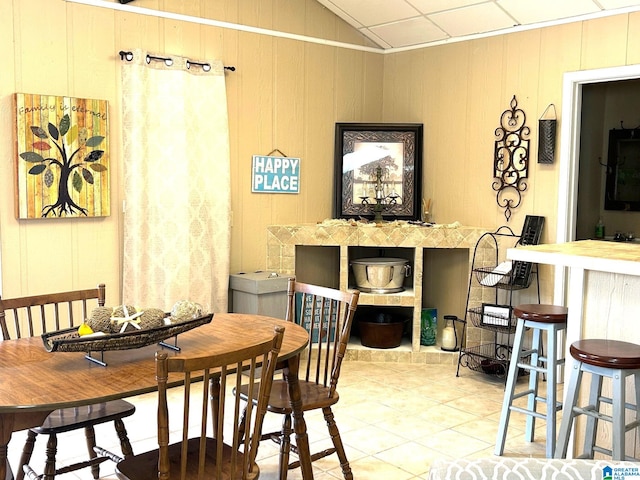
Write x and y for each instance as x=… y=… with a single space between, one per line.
x=34 y=382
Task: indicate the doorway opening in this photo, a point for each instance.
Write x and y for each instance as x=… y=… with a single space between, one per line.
x=570 y=128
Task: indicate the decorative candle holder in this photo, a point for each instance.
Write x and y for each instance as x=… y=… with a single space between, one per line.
x=382 y=200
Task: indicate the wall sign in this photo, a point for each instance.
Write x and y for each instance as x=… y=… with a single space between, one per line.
x=62 y=159
x=275 y=174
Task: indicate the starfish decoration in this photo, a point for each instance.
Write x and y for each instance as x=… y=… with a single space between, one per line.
x=132 y=319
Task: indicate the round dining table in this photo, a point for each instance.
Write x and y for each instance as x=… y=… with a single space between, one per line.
x=34 y=381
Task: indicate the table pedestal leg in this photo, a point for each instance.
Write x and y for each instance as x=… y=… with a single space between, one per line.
x=6 y=429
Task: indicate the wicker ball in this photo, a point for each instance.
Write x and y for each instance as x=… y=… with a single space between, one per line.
x=185 y=310
x=100 y=319
x=119 y=311
x=151 y=318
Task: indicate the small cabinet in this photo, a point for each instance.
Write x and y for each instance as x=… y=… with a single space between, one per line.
x=495 y=285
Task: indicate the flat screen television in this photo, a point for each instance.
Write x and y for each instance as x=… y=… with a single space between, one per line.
x=622 y=190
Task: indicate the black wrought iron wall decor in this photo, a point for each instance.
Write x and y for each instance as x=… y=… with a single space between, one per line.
x=511 y=158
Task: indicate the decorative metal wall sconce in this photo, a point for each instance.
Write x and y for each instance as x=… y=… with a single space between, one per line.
x=547 y=125
x=511 y=158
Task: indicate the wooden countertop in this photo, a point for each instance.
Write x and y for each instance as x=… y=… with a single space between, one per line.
x=604 y=256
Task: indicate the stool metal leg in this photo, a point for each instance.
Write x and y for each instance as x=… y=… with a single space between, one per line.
x=536 y=349
x=619 y=428
x=636 y=385
x=512 y=377
x=568 y=414
x=552 y=366
x=595 y=392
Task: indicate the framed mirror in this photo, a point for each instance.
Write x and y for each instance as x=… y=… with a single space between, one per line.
x=622 y=187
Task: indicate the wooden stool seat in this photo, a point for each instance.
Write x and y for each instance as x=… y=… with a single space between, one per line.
x=601 y=358
x=607 y=353
x=537 y=312
x=539 y=319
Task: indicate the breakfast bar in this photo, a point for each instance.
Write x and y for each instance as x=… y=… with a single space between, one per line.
x=603 y=285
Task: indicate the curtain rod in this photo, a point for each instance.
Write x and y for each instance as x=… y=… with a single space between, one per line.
x=128 y=56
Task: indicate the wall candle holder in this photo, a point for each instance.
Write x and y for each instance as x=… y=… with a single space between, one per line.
x=382 y=199
x=511 y=158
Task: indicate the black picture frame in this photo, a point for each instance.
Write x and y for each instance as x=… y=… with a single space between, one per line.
x=622 y=185
x=403 y=141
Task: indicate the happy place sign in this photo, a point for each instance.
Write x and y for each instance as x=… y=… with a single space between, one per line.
x=275 y=174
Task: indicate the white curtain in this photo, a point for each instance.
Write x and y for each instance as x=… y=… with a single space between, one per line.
x=176 y=183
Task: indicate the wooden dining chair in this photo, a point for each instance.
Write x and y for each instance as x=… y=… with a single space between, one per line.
x=206 y=449
x=38 y=314
x=327 y=314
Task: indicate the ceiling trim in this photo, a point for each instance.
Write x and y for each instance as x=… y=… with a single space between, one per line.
x=519 y=28
x=304 y=38
x=220 y=24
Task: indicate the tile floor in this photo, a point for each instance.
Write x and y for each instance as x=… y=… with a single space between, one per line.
x=394 y=418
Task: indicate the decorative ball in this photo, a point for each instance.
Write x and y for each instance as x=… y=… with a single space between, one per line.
x=100 y=319
x=184 y=310
x=151 y=318
x=119 y=311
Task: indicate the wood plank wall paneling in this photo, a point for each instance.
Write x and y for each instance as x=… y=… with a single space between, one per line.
x=633 y=40
x=288 y=94
x=598 y=52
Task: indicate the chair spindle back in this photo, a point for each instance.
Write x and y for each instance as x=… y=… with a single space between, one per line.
x=327 y=314
x=38 y=314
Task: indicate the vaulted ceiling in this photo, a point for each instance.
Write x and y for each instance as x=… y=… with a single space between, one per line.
x=401 y=24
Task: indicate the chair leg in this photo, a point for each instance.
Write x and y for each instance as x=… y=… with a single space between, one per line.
x=285 y=446
x=337 y=443
x=27 y=451
x=567 y=413
x=90 y=436
x=125 y=444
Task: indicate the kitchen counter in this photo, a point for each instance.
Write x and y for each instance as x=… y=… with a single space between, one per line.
x=603 y=256
x=602 y=278
x=603 y=285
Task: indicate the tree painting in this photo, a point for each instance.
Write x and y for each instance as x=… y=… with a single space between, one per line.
x=63 y=156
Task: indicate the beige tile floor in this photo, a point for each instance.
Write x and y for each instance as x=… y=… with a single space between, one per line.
x=394 y=418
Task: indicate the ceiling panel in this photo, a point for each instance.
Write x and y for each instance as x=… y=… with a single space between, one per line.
x=485 y=17
x=409 y=32
x=545 y=10
x=398 y=24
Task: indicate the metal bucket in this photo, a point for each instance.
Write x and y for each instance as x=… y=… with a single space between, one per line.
x=380 y=274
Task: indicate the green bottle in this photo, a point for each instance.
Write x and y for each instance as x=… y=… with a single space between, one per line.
x=600 y=230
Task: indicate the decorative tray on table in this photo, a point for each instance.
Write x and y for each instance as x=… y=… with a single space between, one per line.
x=68 y=340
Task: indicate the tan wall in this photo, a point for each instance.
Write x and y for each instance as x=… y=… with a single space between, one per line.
x=459 y=92
x=287 y=94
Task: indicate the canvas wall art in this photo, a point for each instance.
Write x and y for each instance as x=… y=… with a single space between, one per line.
x=62 y=159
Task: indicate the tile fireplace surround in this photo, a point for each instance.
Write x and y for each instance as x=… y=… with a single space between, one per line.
x=347 y=238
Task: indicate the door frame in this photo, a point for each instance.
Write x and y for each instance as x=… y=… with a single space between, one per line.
x=572 y=84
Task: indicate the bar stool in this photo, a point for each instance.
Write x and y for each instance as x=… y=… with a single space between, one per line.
x=539 y=318
x=602 y=358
